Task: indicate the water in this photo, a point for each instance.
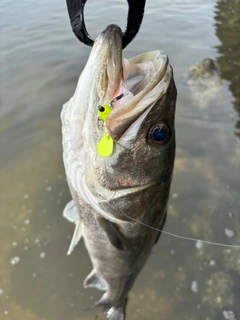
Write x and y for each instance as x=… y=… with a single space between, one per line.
x=40 y=63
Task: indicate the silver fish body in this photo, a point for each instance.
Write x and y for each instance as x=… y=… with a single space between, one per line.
x=115 y=198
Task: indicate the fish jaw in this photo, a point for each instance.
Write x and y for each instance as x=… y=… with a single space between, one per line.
x=107 y=58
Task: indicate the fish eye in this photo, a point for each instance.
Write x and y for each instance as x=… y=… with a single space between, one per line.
x=101 y=108
x=159 y=134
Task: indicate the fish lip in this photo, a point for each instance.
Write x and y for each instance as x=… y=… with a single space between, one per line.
x=111 y=29
x=112 y=36
x=107 y=57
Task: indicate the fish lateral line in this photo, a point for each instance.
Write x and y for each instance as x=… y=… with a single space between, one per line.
x=179 y=236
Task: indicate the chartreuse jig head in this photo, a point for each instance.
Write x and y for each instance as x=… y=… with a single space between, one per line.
x=104 y=111
x=105 y=145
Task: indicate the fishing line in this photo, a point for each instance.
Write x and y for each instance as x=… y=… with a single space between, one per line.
x=179 y=236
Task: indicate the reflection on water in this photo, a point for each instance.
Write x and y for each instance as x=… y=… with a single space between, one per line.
x=227 y=22
x=40 y=63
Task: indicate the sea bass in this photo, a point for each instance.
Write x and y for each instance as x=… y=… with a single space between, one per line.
x=117 y=195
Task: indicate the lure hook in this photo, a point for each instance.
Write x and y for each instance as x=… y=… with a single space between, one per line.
x=134 y=20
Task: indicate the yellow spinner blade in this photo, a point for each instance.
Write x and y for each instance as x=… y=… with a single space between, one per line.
x=105 y=146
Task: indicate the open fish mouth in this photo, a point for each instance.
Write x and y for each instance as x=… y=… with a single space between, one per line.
x=139 y=82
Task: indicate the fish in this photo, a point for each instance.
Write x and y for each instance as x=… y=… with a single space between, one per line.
x=119 y=199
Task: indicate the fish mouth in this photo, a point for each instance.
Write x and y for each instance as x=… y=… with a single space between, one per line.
x=141 y=81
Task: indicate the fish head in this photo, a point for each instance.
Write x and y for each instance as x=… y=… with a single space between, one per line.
x=140 y=125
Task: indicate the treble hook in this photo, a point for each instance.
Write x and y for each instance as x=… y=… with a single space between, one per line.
x=134 y=20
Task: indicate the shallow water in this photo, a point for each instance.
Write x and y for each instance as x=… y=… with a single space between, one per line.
x=40 y=63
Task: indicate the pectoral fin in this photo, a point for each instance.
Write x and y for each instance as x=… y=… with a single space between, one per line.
x=77 y=234
x=113 y=233
x=71 y=214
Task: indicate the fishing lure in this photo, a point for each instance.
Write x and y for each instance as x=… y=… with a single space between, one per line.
x=105 y=145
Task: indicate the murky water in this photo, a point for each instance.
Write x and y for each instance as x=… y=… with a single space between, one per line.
x=40 y=63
